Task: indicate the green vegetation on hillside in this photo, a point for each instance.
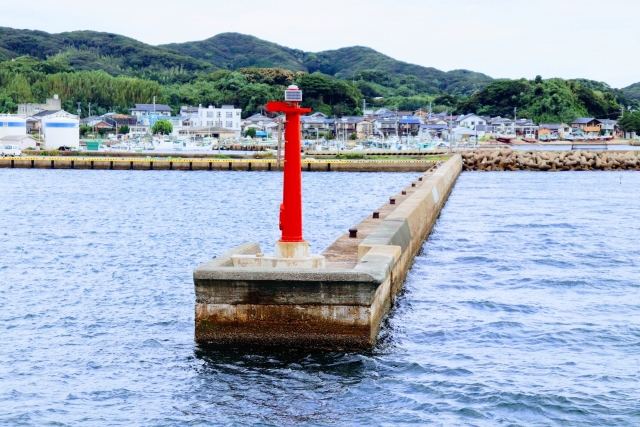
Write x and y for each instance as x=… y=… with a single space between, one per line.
x=632 y=91
x=232 y=51
x=113 y=73
x=545 y=101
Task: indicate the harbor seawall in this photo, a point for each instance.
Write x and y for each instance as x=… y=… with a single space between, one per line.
x=340 y=307
x=552 y=161
x=200 y=164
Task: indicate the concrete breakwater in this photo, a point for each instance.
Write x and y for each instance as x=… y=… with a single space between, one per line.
x=579 y=160
x=199 y=164
x=339 y=307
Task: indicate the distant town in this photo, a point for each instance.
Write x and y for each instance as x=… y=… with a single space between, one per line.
x=40 y=125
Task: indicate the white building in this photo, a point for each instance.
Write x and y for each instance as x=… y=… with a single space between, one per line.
x=226 y=117
x=22 y=141
x=26 y=110
x=61 y=132
x=471 y=121
x=150 y=109
x=11 y=125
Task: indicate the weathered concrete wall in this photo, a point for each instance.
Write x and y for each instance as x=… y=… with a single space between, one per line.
x=199 y=164
x=337 y=308
x=553 y=161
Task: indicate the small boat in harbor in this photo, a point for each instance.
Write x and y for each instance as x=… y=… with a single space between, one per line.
x=507 y=139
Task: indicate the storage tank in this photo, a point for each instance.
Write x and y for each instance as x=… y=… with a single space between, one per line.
x=60 y=131
x=12 y=126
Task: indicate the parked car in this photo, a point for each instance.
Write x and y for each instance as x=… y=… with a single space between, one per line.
x=10 y=150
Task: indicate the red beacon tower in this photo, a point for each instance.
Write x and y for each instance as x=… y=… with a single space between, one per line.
x=292 y=243
x=292 y=251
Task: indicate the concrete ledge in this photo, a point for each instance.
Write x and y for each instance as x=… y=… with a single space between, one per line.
x=336 y=308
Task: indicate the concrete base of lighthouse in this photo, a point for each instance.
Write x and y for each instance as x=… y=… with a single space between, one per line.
x=287 y=255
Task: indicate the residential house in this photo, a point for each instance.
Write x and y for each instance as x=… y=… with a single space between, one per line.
x=503 y=126
x=587 y=125
x=150 y=109
x=364 y=129
x=432 y=130
x=409 y=125
x=421 y=114
x=384 y=112
x=470 y=121
x=117 y=120
x=458 y=134
x=560 y=129
x=526 y=128
x=385 y=126
x=89 y=119
x=609 y=126
x=257 y=121
x=463 y=133
x=314 y=124
x=98 y=124
x=347 y=125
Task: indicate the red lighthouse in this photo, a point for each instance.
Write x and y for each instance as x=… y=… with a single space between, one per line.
x=291 y=207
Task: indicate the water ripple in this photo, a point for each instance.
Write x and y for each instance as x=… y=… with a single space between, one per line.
x=521 y=309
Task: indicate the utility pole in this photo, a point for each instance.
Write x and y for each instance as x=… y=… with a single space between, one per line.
x=450 y=133
x=397 y=135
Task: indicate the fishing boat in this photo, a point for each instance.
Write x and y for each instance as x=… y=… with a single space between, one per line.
x=507 y=139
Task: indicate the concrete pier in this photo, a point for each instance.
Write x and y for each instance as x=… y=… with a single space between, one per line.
x=339 y=307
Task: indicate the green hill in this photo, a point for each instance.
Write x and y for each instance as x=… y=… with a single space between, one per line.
x=90 y=50
x=632 y=91
x=232 y=51
x=178 y=62
x=345 y=62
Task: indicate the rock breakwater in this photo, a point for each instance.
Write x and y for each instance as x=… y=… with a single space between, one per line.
x=553 y=161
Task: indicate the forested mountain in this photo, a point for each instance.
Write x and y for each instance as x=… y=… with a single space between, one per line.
x=113 y=72
x=90 y=50
x=232 y=51
x=632 y=91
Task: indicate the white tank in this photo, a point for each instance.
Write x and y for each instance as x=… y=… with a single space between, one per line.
x=12 y=126
x=59 y=132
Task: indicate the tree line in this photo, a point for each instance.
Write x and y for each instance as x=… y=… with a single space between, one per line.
x=28 y=79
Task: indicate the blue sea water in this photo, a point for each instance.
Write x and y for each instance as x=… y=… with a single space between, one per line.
x=523 y=308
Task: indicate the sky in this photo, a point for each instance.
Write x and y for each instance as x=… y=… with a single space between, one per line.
x=593 y=39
